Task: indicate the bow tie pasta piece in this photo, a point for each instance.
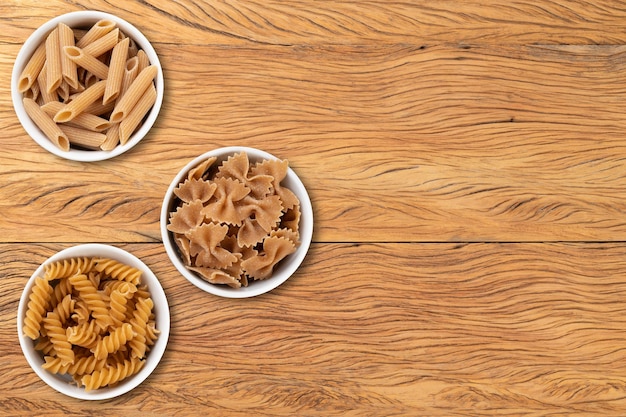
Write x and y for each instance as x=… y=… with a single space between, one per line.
x=274 y=250
x=200 y=171
x=278 y=171
x=237 y=167
x=195 y=189
x=187 y=217
x=205 y=244
x=225 y=209
x=217 y=276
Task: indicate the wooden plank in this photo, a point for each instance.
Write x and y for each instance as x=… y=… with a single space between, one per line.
x=396 y=143
x=384 y=329
x=348 y=22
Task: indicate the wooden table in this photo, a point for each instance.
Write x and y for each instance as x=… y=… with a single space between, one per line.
x=467 y=167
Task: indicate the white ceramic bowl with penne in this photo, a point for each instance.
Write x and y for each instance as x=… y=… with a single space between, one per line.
x=93 y=321
x=87 y=86
x=236 y=222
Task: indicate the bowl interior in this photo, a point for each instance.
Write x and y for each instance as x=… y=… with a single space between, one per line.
x=74 y=20
x=283 y=270
x=63 y=383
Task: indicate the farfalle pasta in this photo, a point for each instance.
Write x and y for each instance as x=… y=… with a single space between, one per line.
x=91 y=318
x=233 y=222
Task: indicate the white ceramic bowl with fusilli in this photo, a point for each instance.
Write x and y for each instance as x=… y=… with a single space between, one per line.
x=63 y=383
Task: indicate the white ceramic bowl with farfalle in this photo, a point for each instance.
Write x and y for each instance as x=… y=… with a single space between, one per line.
x=283 y=270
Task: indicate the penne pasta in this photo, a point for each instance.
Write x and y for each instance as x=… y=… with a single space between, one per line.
x=133 y=94
x=82 y=137
x=89 y=62
x=102 y=45
x=54 y=76
x=143 y=60
x=98 y=30
x=116 y=71
x=46 y=97
x=84 y=120
x=130 y=73
x=32 y=69
x=112 y=138
x=136 y=115
x=98 y=108
x=50 y=129
x=68 y=67
x=78 y=105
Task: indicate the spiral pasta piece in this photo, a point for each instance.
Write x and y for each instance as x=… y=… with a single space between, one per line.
x=81 y=366
x=93 y=299
x=113 y=342
x=84 y=334
x=112 y=374
x=118 y=270
x=56 y=333
x=38 y=302
x=118 y=300
x=65 y=308
x=139 y=323
x=67 y=267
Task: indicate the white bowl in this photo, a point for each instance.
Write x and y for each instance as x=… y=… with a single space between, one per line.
x=73 y=20
x=283 y=270
x=63 y=383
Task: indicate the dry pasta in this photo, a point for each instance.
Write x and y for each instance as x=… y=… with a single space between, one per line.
x=116 y=71
x=99 y=328
x=54 y=75
x=235 y=222
x=68 y=67
x=32 y=69
x=137 y=113
x=88 y=71
x=133 y=94
x=46 y=124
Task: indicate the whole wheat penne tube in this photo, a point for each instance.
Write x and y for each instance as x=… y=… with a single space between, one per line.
x=32 y=69
x=33 y=91
x=50 y=129
x=89 y=62
x=68 y=67
x=98 y=30
x=133 y=94
x=84 y=120
x=64 y=91
x=116 y=71
x=134 y=117
x=46 y=96
x=130 y=73
x=142 y=59
x=98 y=108
x=112 y=138
x=102 y=45
x=78 y=105
x=54 y=76
x=82 y=137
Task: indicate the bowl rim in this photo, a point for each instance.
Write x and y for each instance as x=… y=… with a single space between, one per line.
x=72 y=19
x=162 y=316
x=294 y=260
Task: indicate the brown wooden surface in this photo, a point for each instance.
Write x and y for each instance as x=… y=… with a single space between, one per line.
x=467 y=168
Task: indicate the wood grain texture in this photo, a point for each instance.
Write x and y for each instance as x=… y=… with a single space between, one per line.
x=517 y=329
x=395 y=143
x=347 y=22
x=466 y=166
